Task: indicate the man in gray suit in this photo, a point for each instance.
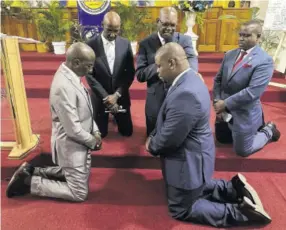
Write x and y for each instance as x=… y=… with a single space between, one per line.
x=183 y=139
x=146 y=69
x=74 y=134
x=242 y=79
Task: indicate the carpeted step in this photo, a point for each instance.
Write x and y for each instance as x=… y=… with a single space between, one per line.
x=38 y=86
x=121 y=152
x=50 y=67
x=44 y=57
x=124 y=199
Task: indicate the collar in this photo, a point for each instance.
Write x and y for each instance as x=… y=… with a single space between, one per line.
x=179 y=76
x=105 y=41
x=249 y=50
x=162 y=40
x=71 y=73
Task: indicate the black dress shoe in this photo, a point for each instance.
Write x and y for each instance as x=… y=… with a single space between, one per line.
x=254 y=213
x=276 y=133
x=244 y=189
x=20 y=182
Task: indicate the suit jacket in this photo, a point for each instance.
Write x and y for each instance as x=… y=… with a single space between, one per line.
x=72 y=121
x=102 y=82
x=146 y=70
x=183 y=137
x=242 y=88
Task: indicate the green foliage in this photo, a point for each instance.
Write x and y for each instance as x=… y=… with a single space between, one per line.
x=50 y=22
x=133 y=20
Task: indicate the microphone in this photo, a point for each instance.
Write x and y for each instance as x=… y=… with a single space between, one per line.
x=121 y=110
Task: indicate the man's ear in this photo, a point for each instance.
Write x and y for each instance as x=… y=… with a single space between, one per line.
x=75 y=62
x=158 y=20
x=172 y=63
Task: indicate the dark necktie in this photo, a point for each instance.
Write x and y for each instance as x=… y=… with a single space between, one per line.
x=242 y=54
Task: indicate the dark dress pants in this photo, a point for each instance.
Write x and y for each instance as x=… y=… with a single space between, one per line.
x=212 y=204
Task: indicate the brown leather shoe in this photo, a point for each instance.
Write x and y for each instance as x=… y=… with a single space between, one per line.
x=276 y=133
x=254 y=213
x=244 y=189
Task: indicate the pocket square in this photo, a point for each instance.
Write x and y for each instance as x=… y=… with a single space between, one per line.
x=246 y=65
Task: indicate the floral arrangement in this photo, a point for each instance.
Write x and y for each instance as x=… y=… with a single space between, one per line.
x=195 y=6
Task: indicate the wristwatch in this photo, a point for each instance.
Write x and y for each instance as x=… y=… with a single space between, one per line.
x=118 y=94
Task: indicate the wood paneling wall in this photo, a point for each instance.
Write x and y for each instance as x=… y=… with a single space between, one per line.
x=216 y=36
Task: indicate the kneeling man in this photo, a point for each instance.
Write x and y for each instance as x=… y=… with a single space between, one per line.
x=183 y=140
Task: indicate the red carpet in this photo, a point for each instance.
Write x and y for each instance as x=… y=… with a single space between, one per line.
x=128 y=200
x=133 y=197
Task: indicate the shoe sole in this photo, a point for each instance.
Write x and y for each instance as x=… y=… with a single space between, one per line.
x=250 y=190
x=258 y=209
x=14 y=177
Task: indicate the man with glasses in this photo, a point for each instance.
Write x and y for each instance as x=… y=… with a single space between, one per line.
x=146 y=68
x=112 y=76
x=242 y=79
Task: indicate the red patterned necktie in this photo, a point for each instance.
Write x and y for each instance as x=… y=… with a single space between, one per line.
x=242 y=54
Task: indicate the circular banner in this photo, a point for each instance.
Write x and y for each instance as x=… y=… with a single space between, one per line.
x=94 y=7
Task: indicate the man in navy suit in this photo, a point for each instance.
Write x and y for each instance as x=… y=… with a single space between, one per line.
x=183 y=140
x=146 y=70
x=242 y=79
x=112 y=76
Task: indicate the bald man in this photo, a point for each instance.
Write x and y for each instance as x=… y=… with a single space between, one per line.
x=183 y=140
x=74 y=134
x=112 y=76
x=146 y=70
x=238 y=86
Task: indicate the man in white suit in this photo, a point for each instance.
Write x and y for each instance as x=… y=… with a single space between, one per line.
x=74 y=134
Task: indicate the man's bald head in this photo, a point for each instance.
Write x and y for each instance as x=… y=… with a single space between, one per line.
x=168 y=11
x=80 y=51
x=80 y=58
x=112 y=18
x=171 y=50
x=171 y=60
x=167 y=23
x=249 y=34
x=111 y=25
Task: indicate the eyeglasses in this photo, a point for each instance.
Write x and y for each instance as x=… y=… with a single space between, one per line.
x=166 y=24
x=244 y=35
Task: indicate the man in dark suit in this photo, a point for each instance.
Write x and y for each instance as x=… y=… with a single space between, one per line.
x=183 y=140
x=242 y=79
x=146 y=70
x=112 y=76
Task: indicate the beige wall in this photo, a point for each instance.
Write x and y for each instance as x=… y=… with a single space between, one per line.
x=280 y=61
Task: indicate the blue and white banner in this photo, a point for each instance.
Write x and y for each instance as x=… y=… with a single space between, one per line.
x=90 y=15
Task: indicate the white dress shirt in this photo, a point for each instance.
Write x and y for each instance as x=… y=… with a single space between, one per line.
x=162 y=40
x=247 y=51
x=109 y=49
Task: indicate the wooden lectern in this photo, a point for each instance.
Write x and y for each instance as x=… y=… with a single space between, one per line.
x=25 y=140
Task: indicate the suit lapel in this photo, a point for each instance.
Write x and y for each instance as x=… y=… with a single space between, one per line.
x=103 y=55
x=80 y=88
x=246 y=60
x=156 y=41
x=117 y=56
x=232 y=62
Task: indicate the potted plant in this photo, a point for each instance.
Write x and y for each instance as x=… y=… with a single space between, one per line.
x=52 y=27
x=133 y=22
x=194 y=12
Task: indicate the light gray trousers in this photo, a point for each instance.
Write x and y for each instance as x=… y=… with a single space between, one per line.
x=44 y=182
